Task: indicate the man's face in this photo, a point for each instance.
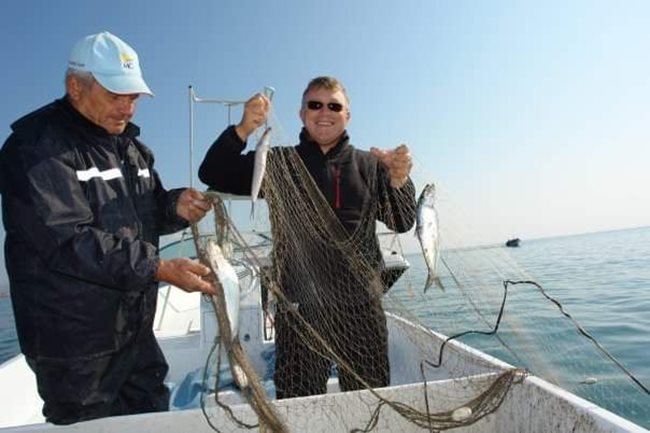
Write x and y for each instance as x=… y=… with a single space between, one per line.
x=106 y=109
x=319 y=116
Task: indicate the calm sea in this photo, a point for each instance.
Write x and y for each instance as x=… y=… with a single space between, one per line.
x=602 y=279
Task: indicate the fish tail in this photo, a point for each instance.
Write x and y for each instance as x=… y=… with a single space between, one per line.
x=433 y=280
x=429 y=282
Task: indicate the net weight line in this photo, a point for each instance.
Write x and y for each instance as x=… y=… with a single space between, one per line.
x=557 y=303
x=253 y=392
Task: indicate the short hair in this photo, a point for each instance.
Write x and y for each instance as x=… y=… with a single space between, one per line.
x=325 y=82
x=85 y=77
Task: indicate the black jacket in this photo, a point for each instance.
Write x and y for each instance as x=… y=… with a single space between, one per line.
x=343 y=176
x=82 y=210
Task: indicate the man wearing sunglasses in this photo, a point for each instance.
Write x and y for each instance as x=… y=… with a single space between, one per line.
x=361 y=187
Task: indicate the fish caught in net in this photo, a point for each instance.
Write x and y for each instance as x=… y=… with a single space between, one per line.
x=342 y=319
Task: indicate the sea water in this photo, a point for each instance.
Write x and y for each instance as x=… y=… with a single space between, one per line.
x=602 y=279
x=8 y=342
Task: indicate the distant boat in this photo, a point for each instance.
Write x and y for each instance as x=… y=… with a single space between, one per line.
x=513 y=242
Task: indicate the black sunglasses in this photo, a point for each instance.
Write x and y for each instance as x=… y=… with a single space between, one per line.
x=332 y=106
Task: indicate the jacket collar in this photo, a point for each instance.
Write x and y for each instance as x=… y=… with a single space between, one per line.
x=80 y=120
x=312 y=147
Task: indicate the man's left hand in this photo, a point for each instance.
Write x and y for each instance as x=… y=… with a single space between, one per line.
x=192 y=205
x=398 y=162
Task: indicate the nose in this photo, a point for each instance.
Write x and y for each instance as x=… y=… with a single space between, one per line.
x=126 y=104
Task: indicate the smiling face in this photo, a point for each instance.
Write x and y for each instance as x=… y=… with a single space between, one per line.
x=324 y=125
x=109 y=110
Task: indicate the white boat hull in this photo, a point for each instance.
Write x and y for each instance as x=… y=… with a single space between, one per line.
x=531 y=406
x=187 y=331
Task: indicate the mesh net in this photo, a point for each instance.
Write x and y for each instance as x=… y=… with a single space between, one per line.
x=339 y=318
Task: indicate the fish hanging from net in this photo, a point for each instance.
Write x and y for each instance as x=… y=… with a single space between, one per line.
x=340 y=317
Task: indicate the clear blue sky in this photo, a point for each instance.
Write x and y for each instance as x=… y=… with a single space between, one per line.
x=534 y=116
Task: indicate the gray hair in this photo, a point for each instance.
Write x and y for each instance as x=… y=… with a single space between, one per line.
x=84 y=77
x=325 y=82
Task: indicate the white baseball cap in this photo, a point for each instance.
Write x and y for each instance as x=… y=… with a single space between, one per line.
x=112 y=62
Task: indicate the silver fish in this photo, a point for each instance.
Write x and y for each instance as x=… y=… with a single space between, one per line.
x=261 y=152
x=229 y=281
x=427 y=232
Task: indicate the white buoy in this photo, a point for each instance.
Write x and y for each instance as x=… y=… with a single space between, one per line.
x=461 y=414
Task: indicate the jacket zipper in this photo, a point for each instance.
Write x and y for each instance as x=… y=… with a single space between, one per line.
x=125 y=162
x=337 y=187
x=129 y=171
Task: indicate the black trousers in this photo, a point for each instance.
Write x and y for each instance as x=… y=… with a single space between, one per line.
x=357 y=336
x=126 y=382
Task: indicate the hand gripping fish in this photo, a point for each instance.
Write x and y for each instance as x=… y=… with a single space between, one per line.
x=426 y=230
x=261 y=152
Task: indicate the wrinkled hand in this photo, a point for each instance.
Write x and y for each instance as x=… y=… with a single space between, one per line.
x=185 y=274
x=192 y=205
x=256 y=110
x=397 y=161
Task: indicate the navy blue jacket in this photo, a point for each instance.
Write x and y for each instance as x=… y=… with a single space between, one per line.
x=83 y=210
x=345 y=176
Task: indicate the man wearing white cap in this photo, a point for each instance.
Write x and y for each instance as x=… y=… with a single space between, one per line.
x=83 y=209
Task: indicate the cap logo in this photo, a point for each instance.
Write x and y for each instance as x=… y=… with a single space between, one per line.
x=128 y=62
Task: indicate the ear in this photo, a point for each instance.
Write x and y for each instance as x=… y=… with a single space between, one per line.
x=73 y=87
x=301 y=114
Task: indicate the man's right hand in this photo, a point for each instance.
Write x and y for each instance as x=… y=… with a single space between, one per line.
x=185 y=274
x=256 y=110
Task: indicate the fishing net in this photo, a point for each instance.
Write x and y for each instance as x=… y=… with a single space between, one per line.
x=328 y=308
